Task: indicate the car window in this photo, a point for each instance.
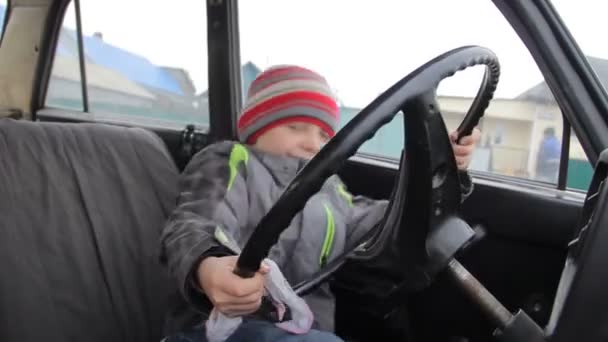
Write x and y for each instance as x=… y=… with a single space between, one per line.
x=362 y=55
x=580 y=170
x=3 y=7
x=585 y=23
x=143 y=71
x=65 y=87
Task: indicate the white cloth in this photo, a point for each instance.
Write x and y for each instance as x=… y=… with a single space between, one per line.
x=219 y=327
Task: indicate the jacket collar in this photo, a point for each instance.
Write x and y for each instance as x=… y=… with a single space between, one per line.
x=284 y=168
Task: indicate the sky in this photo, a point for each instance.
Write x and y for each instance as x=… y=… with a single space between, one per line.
x=361 y=47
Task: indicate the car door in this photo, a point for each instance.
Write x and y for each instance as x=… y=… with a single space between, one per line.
x=524 y=219
x=526 y=200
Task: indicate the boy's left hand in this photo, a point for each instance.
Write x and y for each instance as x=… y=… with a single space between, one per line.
x=463 y=150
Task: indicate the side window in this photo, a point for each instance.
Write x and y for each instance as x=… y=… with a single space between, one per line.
x=584 y=22
x=65 y=85
x=3 y=7
x=521 y=134
x=138 y=69
x=515 y=138
x=580 y=170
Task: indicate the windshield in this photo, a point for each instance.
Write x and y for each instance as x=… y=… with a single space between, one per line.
x=363 y=48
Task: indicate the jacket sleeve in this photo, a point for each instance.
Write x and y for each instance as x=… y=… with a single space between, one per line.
x=203 y=205
x=361 y=213
x=466 y=184
x=365 y=213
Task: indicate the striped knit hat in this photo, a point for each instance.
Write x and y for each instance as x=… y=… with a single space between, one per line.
x=284 y=94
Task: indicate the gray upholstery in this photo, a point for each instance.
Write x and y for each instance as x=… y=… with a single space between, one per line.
x=81 y=209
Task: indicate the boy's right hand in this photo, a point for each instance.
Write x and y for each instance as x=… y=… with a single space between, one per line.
x=230 y=294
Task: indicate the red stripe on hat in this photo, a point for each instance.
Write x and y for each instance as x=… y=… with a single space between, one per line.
x=306 y=98
x=299 y=103
x=307 y=119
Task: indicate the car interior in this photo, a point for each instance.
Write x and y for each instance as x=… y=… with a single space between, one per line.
x=83 y=201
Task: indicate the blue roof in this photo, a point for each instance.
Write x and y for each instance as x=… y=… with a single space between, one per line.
x=132 y=66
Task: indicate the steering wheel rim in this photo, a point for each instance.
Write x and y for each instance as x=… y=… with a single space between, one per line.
x=347 y=141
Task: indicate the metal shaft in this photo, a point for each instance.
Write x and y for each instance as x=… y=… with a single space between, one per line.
x=474 y=289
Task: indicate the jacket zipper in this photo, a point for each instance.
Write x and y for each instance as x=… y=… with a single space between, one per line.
x=329 y=236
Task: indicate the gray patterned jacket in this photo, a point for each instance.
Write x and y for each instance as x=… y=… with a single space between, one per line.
x=232 y=186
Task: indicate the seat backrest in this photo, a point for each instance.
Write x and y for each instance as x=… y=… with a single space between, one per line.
x=81 y=210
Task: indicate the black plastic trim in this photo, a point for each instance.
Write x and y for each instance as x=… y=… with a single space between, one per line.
x=562 y=179
x=580 y=307
x=81 y=61
x=224 y=68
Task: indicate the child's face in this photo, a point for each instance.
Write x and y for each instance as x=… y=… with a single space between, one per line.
x=297 y=139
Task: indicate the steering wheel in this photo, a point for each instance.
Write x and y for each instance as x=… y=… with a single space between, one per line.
x=437 y=177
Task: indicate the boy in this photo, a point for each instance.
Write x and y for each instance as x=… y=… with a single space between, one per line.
x=289 y=115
